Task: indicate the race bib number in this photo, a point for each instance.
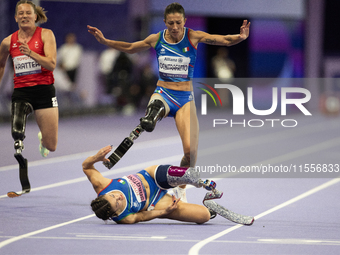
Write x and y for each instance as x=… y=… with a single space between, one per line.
x=24 y=65
x=173 y=67
x=137 y=187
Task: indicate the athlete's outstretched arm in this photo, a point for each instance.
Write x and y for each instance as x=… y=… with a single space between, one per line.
x=150 y=215
x=4 y=53
x=222 y=40
x=97 y=180
x=126 y=47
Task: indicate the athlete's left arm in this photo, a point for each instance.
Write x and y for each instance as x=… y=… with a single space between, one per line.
x=4 y=53
x=150 y=215
x=97 y=180
x=221 y=40
x=50 y=49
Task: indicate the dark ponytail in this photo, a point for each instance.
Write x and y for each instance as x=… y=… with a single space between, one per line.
x=102 y=208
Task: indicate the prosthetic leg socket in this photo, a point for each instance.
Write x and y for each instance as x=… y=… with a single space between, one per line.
x=167 y=176
x=20 y=112
x=154 y=112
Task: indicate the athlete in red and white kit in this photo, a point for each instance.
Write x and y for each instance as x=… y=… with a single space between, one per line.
x=33 y=51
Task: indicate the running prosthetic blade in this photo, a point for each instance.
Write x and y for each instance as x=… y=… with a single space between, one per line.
x=224 y=212
x=119 y=152
x=123 y=147
x=23 y=175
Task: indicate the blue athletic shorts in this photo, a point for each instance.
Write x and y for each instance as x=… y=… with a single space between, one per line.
x=174 y=98
x=155 y=193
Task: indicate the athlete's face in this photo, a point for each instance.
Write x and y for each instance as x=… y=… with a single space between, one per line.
x=116 y=200
x=175 y=23
x=25 y=16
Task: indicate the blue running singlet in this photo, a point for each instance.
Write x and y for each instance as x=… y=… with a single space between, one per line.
x=176 y=61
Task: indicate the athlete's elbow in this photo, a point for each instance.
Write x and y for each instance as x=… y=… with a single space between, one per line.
x=53 y=66
x=130 y=51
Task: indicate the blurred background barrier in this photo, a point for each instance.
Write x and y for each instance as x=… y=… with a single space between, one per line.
x=288 y=39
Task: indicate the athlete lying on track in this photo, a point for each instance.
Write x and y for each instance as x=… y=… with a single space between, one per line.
x=143 y=196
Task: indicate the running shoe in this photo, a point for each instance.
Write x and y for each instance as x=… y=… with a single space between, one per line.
x=180 y=193
x=43 y=151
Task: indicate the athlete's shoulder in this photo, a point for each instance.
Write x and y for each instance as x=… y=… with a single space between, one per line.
x=6 y=41
x=46 y=31
x=47 y=35
x=196 y=34
x=5 y=44
x=152 y=39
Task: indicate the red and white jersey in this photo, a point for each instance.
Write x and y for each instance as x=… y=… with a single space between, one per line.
x=28 y=72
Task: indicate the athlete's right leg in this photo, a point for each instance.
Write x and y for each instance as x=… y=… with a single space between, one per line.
x=155 y=111
x=185 y=212
x=167 y=177
x=47 y=120
x=188 y=129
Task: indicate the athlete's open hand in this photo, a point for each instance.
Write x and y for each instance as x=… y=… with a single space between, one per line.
x=100 y=156
x=244 y=30
x=173 y=205
x=97 y=34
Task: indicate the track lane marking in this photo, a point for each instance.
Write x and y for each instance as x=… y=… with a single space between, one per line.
x=107 y=173
x=196 y=248
x=138 y=146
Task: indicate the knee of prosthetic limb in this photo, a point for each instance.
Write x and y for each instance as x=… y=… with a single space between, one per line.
x=167 y=176
x=154 y=112
x=20 y=112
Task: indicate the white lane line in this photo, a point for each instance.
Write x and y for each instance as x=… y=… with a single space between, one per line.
x=274 y=136
x=300 y=241
x=196 y=248
x=124 y=237
x=110 y=172
x=291 y=155
x=14 y=239
x=138 y=146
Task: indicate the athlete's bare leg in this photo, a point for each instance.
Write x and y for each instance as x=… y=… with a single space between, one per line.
x=47 y=120
x=185 y=211
x=188 y=129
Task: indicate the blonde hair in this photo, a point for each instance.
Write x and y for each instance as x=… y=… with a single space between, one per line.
x=39 y=11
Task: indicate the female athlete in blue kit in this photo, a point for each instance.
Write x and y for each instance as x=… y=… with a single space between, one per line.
x=176 y=48
x=143 y=196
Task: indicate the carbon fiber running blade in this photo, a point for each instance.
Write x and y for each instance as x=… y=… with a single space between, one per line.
x=12 y=194
x=119 y=152
x=229 y=215
x=23 y=175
